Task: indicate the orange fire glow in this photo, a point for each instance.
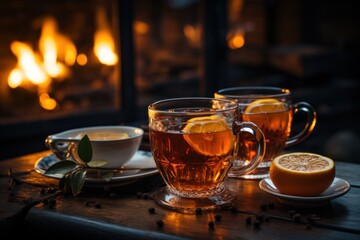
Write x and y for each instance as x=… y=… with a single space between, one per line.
x=193 y=34
x=236 y=39
x=104 y=47
x=35 y=71
x=29 y=65
x=47 y=102
x=53 y=47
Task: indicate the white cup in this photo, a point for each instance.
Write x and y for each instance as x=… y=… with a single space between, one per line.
x=114 y=144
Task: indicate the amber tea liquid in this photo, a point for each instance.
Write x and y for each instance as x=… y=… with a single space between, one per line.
x=276 y=127
x=194 y=171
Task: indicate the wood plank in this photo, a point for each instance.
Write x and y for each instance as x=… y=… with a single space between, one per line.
x=122 y=213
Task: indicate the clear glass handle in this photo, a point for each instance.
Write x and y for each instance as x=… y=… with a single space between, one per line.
x=253 y=129
x=310 y=123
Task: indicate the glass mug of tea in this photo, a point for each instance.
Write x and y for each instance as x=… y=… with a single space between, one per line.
x=271 y=109
x=194 y=142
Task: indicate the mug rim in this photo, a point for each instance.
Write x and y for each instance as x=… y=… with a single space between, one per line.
x=152 y=106
x=138 y=133
x=274 y=92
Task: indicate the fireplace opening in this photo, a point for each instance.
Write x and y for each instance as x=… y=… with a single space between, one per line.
x=58 y=58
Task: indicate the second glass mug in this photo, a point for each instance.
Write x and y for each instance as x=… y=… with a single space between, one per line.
x=194 y=142
x=271 y=109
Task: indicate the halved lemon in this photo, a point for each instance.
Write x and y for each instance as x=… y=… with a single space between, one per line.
x=302 y=173
x=265 y=105
x=209 y=135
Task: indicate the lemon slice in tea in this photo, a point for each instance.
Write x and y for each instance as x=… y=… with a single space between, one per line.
x=209 y=135
x=265 y=105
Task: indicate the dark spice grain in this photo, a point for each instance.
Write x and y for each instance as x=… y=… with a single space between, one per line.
x=297 y=217
x=160 y=223
x=145 y=196
x=152 y=210
x=271 y=205
x=51 y=190
x=248 y=220
x=198 y=211
x=139 y=194
x=257 y=224
x=260 y=218
x=211 y=224
x=263 y=207
x=233 y=210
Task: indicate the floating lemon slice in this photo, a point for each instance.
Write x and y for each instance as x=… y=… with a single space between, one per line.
x=302 y=174
x=209 y=135
x=265 y=105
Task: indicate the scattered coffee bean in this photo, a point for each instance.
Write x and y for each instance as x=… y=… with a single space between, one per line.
x=145 y=196
x=51 y=190
x=257 y=224
x=198 y=211
x=248 y=220
x=233 y=210
x=296 y=217
x=263 y=207
x=292 y=212
x=260 y=218
x=160 y=223
x=139 y=194
x=151 y=210
x=211 y=224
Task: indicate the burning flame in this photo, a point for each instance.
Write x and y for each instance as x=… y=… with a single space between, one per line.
x=56 y=53
x=54 y=46
x=104 y=47
x=29 y=65
x=40 y=68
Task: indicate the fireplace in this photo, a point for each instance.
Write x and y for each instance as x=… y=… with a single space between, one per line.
x=67 y=64
x=61 y=67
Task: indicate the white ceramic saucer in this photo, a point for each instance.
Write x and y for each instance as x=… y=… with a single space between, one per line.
x=338 y=188
x=141 y=159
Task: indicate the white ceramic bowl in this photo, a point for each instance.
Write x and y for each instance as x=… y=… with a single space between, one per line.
x=108 y=143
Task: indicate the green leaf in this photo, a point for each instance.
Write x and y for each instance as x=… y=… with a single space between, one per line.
x=97 y=163
x=63 y=166
x=77 y=181
x=62 y=182
x=65 y=183
x=85 y=149
x=106 y=175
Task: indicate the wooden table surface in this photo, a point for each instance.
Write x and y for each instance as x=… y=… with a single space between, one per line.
x=28 y=207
